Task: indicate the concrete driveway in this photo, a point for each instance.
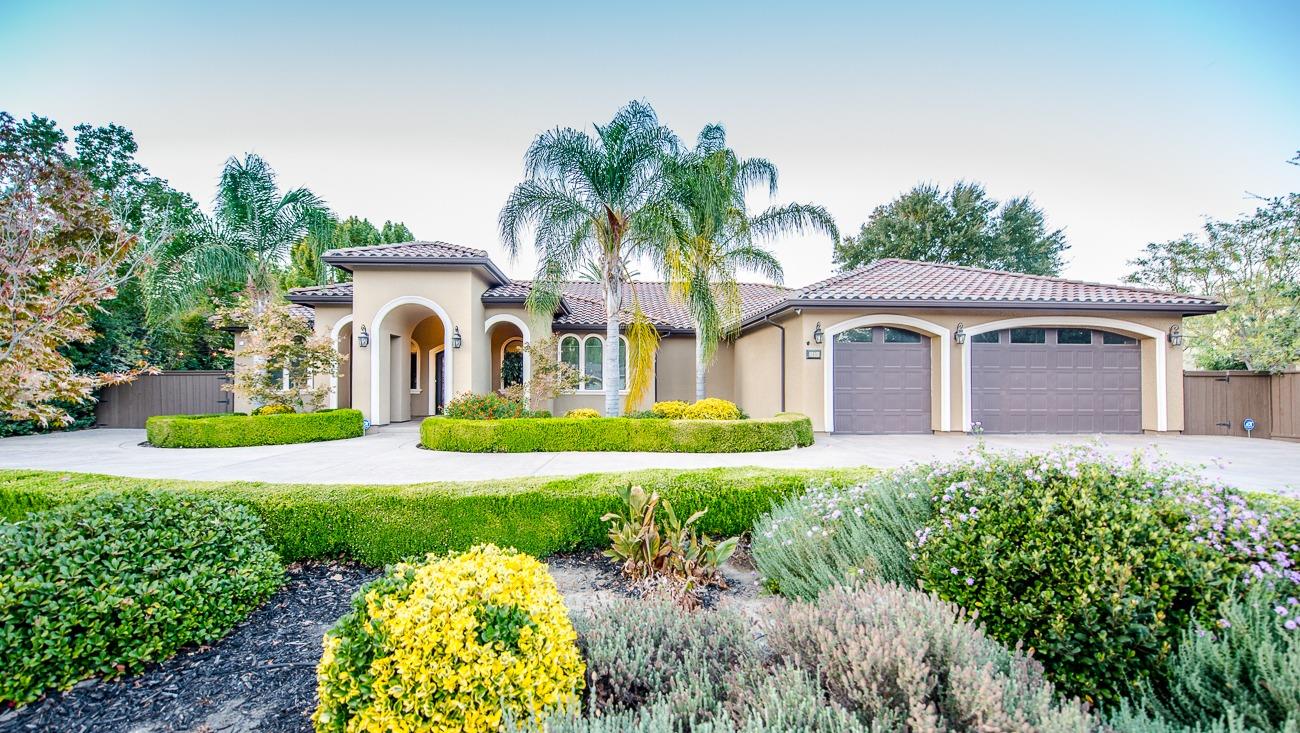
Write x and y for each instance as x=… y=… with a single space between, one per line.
x=390 y=455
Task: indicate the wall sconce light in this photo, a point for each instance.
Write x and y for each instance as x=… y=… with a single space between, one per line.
x=1176 y=335
x=960 y=334
x=818 y=334
x=363 y=338
x=455 y=337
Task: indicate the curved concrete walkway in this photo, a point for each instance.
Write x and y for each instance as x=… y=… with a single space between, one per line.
x=390 y=455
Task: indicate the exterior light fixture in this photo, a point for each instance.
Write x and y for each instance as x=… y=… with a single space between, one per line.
x=455 y=337
x=960 y=334
x=818 y=334
x=363 y=338
x=1176 y=335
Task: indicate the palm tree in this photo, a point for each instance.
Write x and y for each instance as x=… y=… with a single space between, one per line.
x=590 y=198
x=712 y=236
x=248 y=239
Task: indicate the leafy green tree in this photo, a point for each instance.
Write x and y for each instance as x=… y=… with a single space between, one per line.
x=249 y=238
x=961 y=226
x=591 y=197
x=395 y=232
x=1253 y=265
x=712 y=236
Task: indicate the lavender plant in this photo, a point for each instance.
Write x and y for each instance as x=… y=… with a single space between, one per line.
x=829 y=537
x=1245 y=666
x=905 y=660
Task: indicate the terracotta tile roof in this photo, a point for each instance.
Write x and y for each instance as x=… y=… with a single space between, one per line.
x=319 y=293
x=408 y=250
x=586 y=302
x=893 y=282
x=905 y=280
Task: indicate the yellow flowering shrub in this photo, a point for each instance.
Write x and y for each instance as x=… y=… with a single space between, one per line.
x=584 y=412
x=671 y=409
x=712 y=408
x=454 y=643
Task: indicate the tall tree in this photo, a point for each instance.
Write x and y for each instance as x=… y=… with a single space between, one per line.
x=961 y=226
x=249 y=238
x=1253 y=265
x=712 y=236
x=326 y=233
x=590 y=197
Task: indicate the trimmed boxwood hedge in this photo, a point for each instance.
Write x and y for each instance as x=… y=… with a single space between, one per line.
x=229 y=431
x=383 y=524
x=656 y=435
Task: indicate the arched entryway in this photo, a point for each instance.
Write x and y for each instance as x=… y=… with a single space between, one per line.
x=409 y=378
x=507 y=336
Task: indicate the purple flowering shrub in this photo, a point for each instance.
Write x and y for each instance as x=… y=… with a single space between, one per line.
x=1086 y=561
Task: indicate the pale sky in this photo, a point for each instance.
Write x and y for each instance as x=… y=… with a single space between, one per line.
x=1126 y=124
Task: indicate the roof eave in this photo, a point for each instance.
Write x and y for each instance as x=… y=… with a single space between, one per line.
x=349 y=262
x=309 y=299
x=1186 y=309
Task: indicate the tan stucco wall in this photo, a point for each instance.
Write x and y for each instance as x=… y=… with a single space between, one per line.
x=675 y=370
x=746 y=370
x=758 y=390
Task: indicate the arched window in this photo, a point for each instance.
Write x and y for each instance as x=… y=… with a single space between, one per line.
x=593 y=355
x=512 y=362
x=622 y=363
x=569 y=351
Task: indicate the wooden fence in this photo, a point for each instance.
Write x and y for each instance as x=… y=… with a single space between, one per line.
x=1216 y=403
x=168 y=393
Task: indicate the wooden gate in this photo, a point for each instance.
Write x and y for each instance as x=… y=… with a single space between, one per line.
x=168 y=393
x=1216 y=403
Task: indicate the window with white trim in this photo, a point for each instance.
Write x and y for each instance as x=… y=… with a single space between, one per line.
x=586 y=356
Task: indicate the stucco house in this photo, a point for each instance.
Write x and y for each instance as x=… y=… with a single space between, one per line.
x=891 y=347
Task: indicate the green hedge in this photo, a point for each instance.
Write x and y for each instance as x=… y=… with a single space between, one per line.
x=228 y=431
x=524 y=435
x=382 y=524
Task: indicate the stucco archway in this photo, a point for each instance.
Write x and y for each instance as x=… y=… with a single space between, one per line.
x=377 y=392
x=518 y=323
x=936 y=332
x=1137 y=330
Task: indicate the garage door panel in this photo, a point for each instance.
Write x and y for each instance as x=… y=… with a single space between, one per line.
x=1056 y=387
x=881 y=387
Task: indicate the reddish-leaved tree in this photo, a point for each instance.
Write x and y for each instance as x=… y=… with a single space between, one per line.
x=61 y=255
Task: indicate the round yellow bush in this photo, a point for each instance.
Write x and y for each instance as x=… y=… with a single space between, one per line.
x=454 y=643
x=273 y=410
x=671 y=409
x=713 y=408
x=583 y=412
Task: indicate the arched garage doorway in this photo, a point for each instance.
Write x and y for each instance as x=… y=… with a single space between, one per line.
x=880 y=374
x=881 y=380
x=1037 y=379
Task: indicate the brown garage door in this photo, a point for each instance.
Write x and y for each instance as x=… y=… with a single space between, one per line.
x=1056 y=380
x=881 y=381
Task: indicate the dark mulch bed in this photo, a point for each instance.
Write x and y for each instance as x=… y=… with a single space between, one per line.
x=262 y=677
